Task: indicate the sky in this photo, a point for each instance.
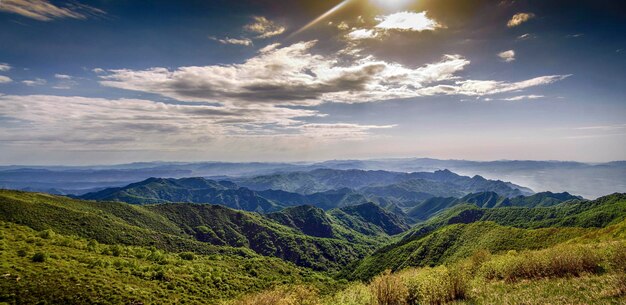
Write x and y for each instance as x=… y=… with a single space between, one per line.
x=111 y=81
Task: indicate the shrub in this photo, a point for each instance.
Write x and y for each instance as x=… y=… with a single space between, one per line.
x=437 y=285
x=46 y=234
x=388 y=289
x=559 y=261
x=21 y=252
x=39 y=257
x=188 y=256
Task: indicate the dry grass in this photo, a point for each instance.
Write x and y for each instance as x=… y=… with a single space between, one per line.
x=388 y=289
x=437 y=285
x=293 y=295
x=560 y=261
x=356 y=294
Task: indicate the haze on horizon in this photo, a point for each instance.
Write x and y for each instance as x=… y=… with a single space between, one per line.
x=104 y=82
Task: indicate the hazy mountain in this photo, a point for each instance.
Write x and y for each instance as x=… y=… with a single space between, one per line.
x=584 y=179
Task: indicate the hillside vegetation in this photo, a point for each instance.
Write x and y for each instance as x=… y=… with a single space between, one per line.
x=200 y=228
x=49 y=268
x=457 y=232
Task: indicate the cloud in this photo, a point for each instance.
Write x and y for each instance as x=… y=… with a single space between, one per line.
x=264 y=28
x=98 y=70
x=362 y=34
x=507 y=56
x=235 y=41
x=62 y=76
x=4 y=67
x=407 y=21
x=525 y=36
x=292 y=75
x=519 y=18
x=125 y=123
x=339 y=131
x=34 y=82
x=489 y=87
x=524 y=97
x=343 y=26
x=400 y=21
x=5 y=79
x=43 y=10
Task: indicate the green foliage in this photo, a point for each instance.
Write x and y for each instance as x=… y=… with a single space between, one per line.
x=202 y=229
x=39 y=257
x=77 y=271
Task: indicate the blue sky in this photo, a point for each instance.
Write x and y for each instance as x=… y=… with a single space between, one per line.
x=119 y=81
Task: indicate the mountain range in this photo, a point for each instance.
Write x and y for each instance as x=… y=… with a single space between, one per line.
x=589 y=180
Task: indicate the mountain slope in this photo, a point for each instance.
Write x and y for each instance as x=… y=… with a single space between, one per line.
x=199 y=190
x=430 y=207
x=369 y=219
x=465 y=228
x=181 y=227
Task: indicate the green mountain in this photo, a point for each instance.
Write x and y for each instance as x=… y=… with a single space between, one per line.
x=200 y=190
x=307 y=219
x=184 y=227
x=369 y=219
x=426 y=209
x=457 y=232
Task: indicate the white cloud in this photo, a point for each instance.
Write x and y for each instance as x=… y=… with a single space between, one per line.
x=343 y=26
x=525 y=36
x=98 y=70
x=5 y=79
x=264 y=28
x=34 y=82
x=235 y=41
x=292 y=75
x=123 y=123
x=62 y=76
x=507 y=56
x=4 y=67
x=43 y=10
x=523 y=97
x=519 y=18
x=489 y=87
x=407 y=21
x=362 y=34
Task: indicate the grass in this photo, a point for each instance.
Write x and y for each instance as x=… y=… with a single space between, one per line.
x=50 y=268
x=590 y=273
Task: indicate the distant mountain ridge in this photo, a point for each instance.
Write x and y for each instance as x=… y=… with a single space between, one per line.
x=326 y=189
x=589 y=180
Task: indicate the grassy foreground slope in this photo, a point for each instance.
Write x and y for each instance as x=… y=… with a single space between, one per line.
x=49 y=268
x=563 y=274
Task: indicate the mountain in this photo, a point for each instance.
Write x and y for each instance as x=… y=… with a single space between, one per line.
x=325 y=200
x=584 y=179
x=430 y=207
x=200 y=228
x=199 y=190
x=464 y=229
x=307 y=219
x=403 y=186
x=369 y=219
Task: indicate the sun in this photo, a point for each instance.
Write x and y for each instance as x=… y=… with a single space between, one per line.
x=392 y=4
